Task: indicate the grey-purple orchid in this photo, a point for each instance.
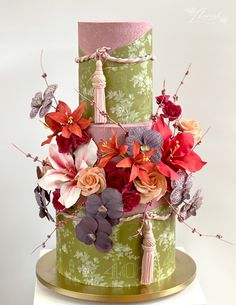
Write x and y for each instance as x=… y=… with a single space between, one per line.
x=108 y=205
x=101 y=213
x=190 y=208
x=180 y=196
x=95 y=231
x=181 y=188
x=42 y=102
x=148 y=140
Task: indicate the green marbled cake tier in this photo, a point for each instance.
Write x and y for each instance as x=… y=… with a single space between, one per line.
x=128 y=86
x=121 y=266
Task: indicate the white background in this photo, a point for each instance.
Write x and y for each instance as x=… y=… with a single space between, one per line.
x=200 y=32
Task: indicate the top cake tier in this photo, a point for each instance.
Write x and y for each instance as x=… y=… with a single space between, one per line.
x=128 y=86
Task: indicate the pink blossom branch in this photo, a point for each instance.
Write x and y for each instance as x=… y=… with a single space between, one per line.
x=103 y=113
x=175 y=96
x=28 y=155
x=194 y=230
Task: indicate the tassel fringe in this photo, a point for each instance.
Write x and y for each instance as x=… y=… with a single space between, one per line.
x=99 y=84
x=149 y=248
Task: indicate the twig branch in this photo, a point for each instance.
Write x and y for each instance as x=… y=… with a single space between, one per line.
x=44 y=75
x=28 y=155
x=194 y=230
x=198 y=143
x=175 y=96
x=103 y=113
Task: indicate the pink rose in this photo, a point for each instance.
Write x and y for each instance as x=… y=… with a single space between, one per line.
x=154 y=189
x=91 y=180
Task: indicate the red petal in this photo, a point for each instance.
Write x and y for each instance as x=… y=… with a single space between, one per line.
x=163 y=128
x=58 y=117
x=66 y=132
x=54 y=126
x=75 y=129
x=143 y=176
x=150 y=153
x=104 y=160
x=167 y=171
x=84 y=123
x=123 y=149
x=134 y=173
x=127 y=162
x=77 y=113
x=186 y=142
x=136 y=148
x=63 y=108
x=49 y=140
x=191 y=162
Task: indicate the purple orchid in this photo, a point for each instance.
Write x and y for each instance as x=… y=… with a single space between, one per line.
x=148 y=140
x=108 y=205
x=181 y=188
x=190 y=208
x=42 y=102
x=95 y=231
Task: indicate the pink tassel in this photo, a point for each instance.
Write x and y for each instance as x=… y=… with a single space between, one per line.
x=99 y=84
x=149 y=248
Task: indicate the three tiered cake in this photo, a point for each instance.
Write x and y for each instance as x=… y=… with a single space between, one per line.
x=119 y=174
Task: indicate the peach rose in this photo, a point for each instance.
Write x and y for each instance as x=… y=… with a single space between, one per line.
x=91 y=180
x=156 y=188
x=192 y=127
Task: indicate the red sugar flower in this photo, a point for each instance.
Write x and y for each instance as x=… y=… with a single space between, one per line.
x=171 y=111
x=140 y=163
x=110 y=149
x=130 y=199
x=65 y=121
x=162 y=99
x=177 y=152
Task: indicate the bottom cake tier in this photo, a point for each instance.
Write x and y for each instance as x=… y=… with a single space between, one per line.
x=121 y=266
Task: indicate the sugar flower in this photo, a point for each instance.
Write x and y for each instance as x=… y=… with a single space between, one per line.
x=91 y=180
x=162 y=99
x=192 y=127
x=42 y=102
x=95 y=231
x=171 y=111
x=181 y=188
x=110 y=149
x=147 y=139
x=177 y=152
x=109 y=204
x=139 y=164
x=130 y=199
x=66 y=122
x=65 y=171
x=154 y=189
x=190 y=208
x=69 y=145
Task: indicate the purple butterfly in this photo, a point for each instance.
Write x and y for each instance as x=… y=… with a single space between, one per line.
x=41 y=103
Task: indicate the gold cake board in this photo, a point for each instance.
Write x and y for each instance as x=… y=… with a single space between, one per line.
x=184 y=274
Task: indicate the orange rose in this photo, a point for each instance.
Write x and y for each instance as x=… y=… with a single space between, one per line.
x=192 y=127
x=91 y=180
x=156 y=188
